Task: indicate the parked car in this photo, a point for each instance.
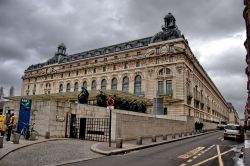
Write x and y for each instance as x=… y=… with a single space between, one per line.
x=234 y=131
x=221 y=126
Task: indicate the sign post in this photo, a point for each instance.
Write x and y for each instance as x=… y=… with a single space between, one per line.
x=110 y=104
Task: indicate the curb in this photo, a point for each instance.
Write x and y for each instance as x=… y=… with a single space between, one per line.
x=22 y=146
x=125 y=150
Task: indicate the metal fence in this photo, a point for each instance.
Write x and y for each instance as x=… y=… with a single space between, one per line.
x=94 y=129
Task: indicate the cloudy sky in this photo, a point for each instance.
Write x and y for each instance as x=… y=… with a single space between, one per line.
x=30 y=31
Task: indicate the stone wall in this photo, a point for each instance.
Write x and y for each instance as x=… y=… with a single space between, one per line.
x=52 y=116
x=129 y=125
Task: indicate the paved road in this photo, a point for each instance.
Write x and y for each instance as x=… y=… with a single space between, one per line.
x=202 y=150
x=50 y=152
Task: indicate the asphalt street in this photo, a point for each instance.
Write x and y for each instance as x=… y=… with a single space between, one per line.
x=210 y=149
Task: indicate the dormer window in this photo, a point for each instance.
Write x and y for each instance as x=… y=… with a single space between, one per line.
x=140 y=44
x=117 y=49
x=128 y=46
x=107 y=51
x=97 y=53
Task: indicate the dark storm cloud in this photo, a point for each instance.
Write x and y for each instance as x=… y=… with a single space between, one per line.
x=31 y=30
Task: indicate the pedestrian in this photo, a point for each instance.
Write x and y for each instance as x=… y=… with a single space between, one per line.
x=10 y=126
x=196 y=126
x=2 y=124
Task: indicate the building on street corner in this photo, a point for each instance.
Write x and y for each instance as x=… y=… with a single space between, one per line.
x=160 y=66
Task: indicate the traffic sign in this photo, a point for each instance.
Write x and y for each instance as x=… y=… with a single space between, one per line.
x=110 y=102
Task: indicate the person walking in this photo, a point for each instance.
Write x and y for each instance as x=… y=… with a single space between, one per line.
x=10 y=126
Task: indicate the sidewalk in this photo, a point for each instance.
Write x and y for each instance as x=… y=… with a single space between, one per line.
x=247 y=149
x=103 y=148
x=9 y=146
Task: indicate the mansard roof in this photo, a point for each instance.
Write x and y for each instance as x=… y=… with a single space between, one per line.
x=169 y=31
x=95 y=52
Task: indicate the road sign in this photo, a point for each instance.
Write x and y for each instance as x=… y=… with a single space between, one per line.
x=110 y=102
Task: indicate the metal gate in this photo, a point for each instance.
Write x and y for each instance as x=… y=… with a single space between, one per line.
x=94 y=129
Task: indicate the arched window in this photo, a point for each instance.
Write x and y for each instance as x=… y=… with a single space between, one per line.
x=137 y=85
x=114 y=84
x=68 y=87
x=84 y=84
x=60 y=88
x=76 y=87
x=125 y=84
x=168 y=71
x=161 y=72
x=104 y=84
x=93 y=85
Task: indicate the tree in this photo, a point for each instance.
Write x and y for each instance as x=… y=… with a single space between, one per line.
x=11 y=92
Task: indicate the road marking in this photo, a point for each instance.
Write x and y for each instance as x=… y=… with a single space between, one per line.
x=219 y=155
x=211 y=158
x=191 y=153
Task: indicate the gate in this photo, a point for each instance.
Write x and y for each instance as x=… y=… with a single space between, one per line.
x=94 y=129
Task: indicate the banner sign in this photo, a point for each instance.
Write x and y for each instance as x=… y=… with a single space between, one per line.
x=24 y=114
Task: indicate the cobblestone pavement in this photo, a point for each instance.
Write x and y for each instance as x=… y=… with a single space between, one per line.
x=51 y=152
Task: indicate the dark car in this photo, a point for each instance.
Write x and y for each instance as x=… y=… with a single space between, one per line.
x=234 y=131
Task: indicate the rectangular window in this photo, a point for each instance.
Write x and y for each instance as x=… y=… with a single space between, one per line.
x=160 y=87
x=169 y=89
x=85 y=71
x=138 y=53
x=157 y=60
x=157 y=51
x=114 y=67
x=105 y=59
x=125 y=65
x=115 y=57
x=171 y=59
x=138 y=64
x=94 y=71
x=104 y=69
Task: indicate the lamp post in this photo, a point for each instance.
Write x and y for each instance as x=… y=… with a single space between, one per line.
x=110 y=104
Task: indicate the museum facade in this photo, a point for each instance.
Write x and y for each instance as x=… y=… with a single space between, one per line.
x=161 y=66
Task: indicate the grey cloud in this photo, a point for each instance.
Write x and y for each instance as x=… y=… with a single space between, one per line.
x=229 y=62
x=31 y=30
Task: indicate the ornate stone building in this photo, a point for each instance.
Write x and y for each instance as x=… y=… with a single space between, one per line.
x=160 y=66
x=246 y=15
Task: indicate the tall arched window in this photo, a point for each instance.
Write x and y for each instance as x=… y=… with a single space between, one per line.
x=161 y=72
x=104 y=84
x=93 y=85
x=137 y=85
x=60 y=88
x=125 y=84
x=68 y=87
x=84 y=84
x=76 y=87
x=114 y=84
x=168 y=71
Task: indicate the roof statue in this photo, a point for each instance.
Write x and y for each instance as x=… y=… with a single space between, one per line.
x=169 y=30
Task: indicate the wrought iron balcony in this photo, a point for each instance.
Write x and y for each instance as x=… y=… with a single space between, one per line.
x=168 y=92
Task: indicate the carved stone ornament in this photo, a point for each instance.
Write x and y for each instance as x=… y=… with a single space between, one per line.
x=179 y=69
